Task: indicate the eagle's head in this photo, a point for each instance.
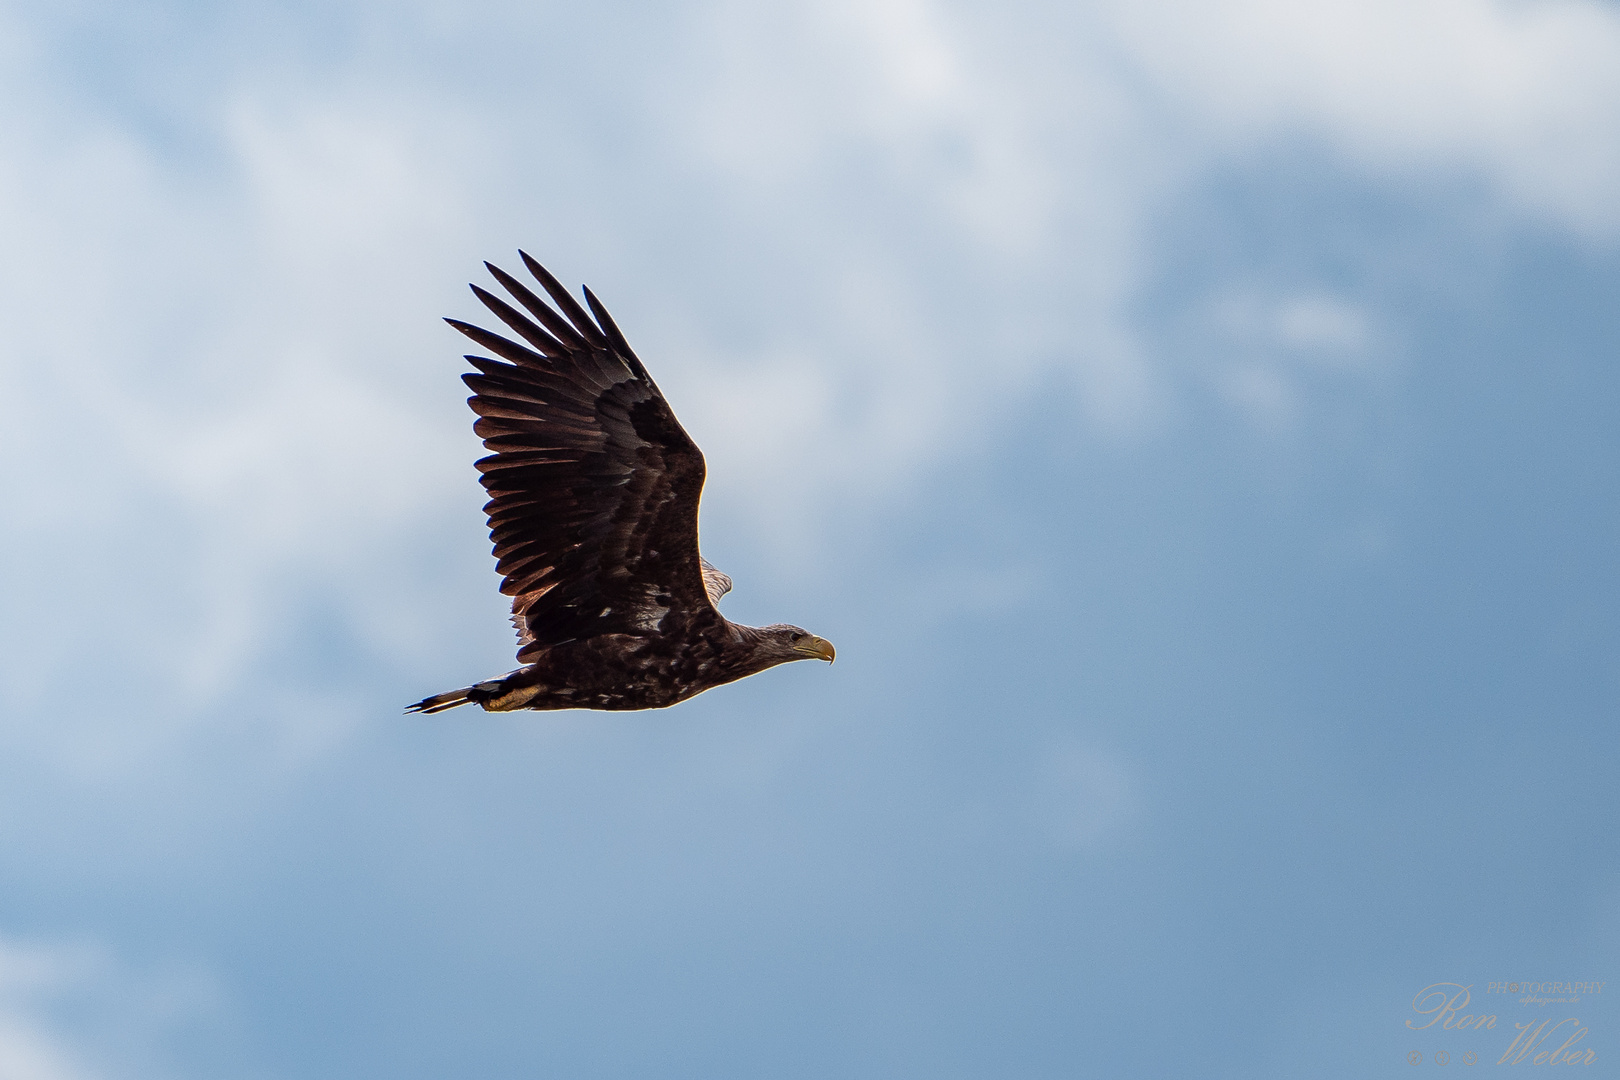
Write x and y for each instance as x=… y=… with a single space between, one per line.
x=780 y=643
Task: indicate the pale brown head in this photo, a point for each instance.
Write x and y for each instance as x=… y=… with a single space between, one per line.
x=782 y=643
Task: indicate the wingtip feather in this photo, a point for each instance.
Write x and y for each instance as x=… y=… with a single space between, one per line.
x=616 y=337
x=566 y=303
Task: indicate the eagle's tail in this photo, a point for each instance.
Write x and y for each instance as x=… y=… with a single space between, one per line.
x=492 y=695
x=441 y=702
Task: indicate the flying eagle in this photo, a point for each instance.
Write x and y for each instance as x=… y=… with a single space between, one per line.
x=593 y=510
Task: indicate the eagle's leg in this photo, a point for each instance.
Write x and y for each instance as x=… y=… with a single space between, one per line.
x=507 y=701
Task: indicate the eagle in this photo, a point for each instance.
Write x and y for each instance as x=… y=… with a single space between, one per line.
x=593 y=510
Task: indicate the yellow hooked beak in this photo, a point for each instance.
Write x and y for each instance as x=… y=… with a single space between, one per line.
x=817 y=648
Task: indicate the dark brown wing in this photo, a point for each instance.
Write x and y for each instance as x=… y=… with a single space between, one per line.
x=593 y=483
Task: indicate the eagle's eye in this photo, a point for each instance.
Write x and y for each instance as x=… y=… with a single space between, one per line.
x=797 y=638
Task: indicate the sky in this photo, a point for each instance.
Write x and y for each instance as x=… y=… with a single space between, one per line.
x=1194 y=423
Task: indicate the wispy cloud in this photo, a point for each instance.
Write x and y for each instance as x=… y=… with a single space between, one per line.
x=1522 y=97
x=119 y=1019
x=852 y=238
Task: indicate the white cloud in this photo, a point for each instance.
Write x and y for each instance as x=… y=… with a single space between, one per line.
x=1317 y=324
x=212 y=378
x=1524 y=96
x=29 y=1048
x=1316 y=327
x=70 y=1012
x=1266 y=351
x=28 y=1053
x=1033 y=154
x=221 y=366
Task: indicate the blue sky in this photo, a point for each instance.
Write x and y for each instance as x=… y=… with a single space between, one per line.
x=1194 y=423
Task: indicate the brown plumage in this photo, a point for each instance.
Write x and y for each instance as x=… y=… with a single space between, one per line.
x=594 y=489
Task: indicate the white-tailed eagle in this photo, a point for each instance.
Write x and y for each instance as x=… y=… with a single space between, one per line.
x=593 y=511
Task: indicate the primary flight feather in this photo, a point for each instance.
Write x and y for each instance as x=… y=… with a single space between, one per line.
x=593 y=508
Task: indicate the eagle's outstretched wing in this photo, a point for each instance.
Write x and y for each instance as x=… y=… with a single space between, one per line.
x=593 y=483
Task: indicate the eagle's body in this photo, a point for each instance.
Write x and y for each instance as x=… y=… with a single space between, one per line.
x=617 y=672
x=594 y=489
